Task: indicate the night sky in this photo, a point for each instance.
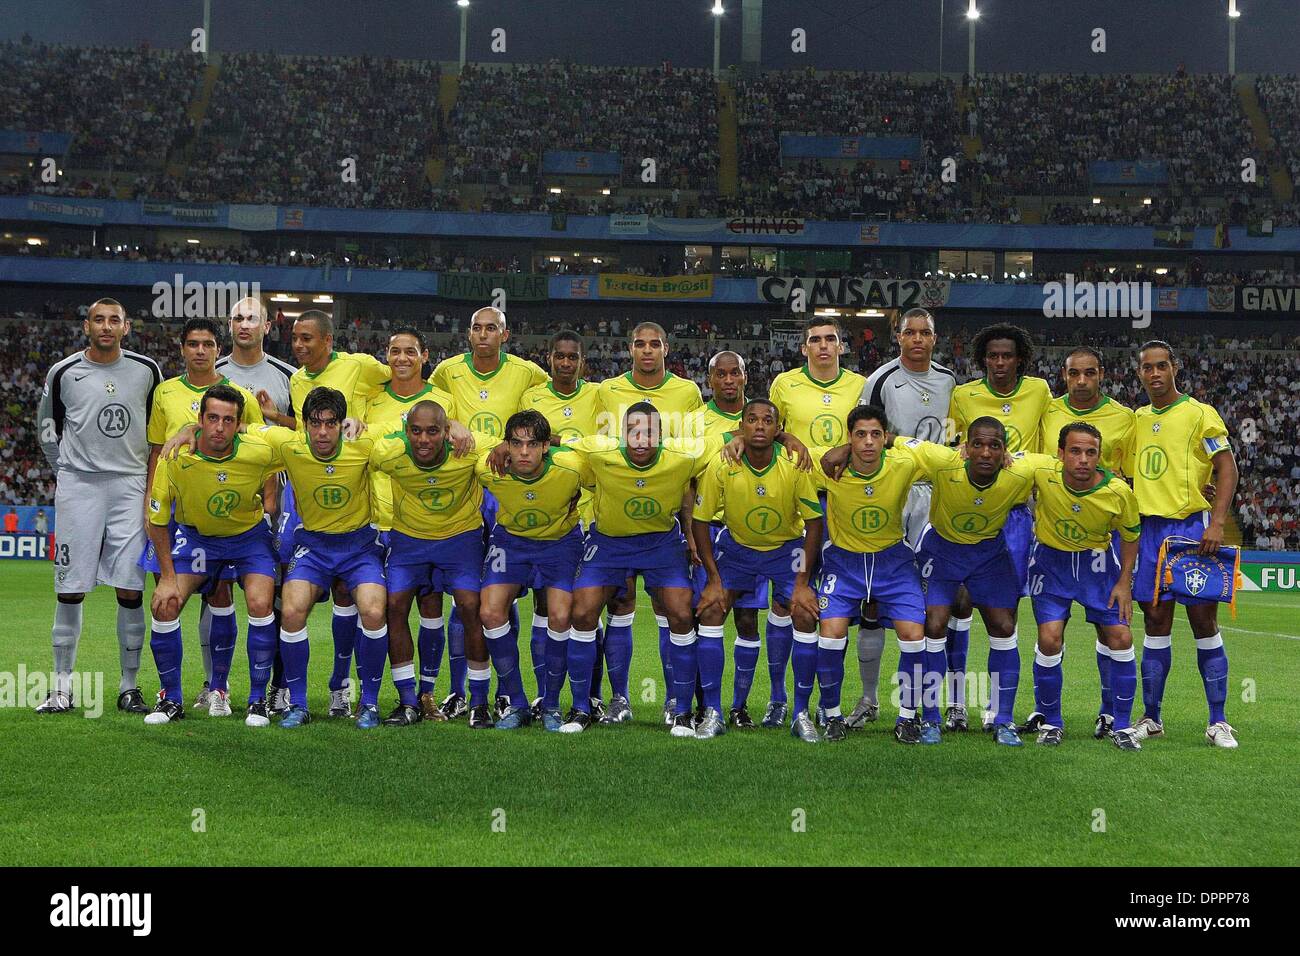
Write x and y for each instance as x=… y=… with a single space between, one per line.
x=1012 y=35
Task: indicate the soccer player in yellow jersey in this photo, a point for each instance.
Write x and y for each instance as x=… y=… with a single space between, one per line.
x=1179 y=444
x=641 y=483
x=815 y=399
x=335 y=542
x=771 y=521
x=218 y=517
x=175 y=404
x=868 y=560
x=436 y=541
x=536 y=543
x=1082 y=507
x=1084 y=401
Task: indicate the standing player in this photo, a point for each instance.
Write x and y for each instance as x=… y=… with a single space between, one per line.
x=641 y=482
x=771 y=523
x=1179 y=442
x=914 y=392
x=215 y=491
x=570 y=405
x=358 y=377
x=486 y=383
x=1081 y=507
x=1018 y=401
x=868 y=560
x=680 y=407
x=535 y=543
x=267 y=377
x=1085 y=402
x=175 y=404
x=436 y=541
x=93 y=416
x=386 y=412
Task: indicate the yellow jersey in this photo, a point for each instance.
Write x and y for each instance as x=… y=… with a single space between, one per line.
x=963 y=512
x=813 y=411
x=356 y=374
x=332 y=494
x=864 y=513
x=1020 y=410
x=385 y=413
x=1070 y=520
x=571 y=416
x=218 y=497
x=486 y=400
x=1113 y=420
x=1171 y=455
x=434 y=502
x=176 y=404
x=763 y=509
x=718 y=422
x=677 y=400
x=545 y=506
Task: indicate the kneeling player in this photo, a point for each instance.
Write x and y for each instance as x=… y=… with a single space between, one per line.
x=216 y=489
x=535 y=543
x=868 y=560
x=771 y=522
x=1081 y=506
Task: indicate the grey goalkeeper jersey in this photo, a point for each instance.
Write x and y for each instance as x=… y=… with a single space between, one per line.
x=270 y=374
x=916 y=403
x=92 y=417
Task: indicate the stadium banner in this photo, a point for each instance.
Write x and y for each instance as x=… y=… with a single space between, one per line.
x=67 y=210
x=184 y=212
x=1221 y=298
x=1174 y=237
x=796 y=146
x=1268 y=298
x=765 y=226
x=31 y=143
x=1128 y=172
x=1270 y=570
x=628 y=225
x=27 y=547
x=617 y=285
x=482 y=285
x=251 y=218
x=573 y=162
x=857 y=292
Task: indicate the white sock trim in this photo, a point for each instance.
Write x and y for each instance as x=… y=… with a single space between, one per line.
x=493 y=633
x=222 y=611
x=659 y=619
x=349 y=611
x=1157 y=641
x=748 y=642
x=557 y=635
x=1128 y=654
x=1007 y=643
x=293 y=637
x=381 y=631
x=261 y=621
x=710 y=630
x=1209 y=643
x=911 y=647
x=805 y=637
x=960 y=623
x=539 y=620
x=1047 y=660
x=833 y=643
x=625 y=620
x=582 y=637
x=431 y=623
x=776 y=620
x=405 y=672
x=475 y=674
x=941 y=644
x=1103 y=649
x=163 y=627
x=682 y=640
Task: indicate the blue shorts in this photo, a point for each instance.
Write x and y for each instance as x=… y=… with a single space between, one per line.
x=1059 y=578
x=1154 y=532
x=888 y=577
x=659 y=557
x=749 y=571
x=530 y=562
x=217 y=558
x=149 y=557
x=755 y=599
x=1018 y=532
x=287 y=524
x=354 y=557
x=985 y=568
x=445 y=564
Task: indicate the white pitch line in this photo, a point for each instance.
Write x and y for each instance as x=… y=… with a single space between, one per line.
x=1242 y=630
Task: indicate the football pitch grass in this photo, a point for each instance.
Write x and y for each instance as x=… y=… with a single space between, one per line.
x=112 y=791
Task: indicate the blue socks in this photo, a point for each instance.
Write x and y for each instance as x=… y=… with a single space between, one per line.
x=404 y=681
x=295 y=650
x=1212 y=662
x=372 y=652
x=429 y=643
x=1047 y=687
x=1157 y=654
x=911 y=677
x=582 y=655
x=618 y=652
x=745 y=652
x=803 y=660
x=598 y=664
x=480 y=684
x=261 y=654
x=537 y=648
x=165 y=642
x=557 y=663
x=666 y=658
x=830 y=672
x=958 y=638
x=456 y=652
x=1004 y=675
x=780 y=641
x=712 y=661
x=223 y=634
x=503 y=648
x=1103 y=672
x=685 y=658
x=1123 y=686
x=935 y=663
x=344 y=627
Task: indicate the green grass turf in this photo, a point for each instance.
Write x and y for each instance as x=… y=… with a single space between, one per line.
x=76 y=791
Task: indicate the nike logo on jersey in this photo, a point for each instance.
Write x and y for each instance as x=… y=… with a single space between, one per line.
x=78 y=378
